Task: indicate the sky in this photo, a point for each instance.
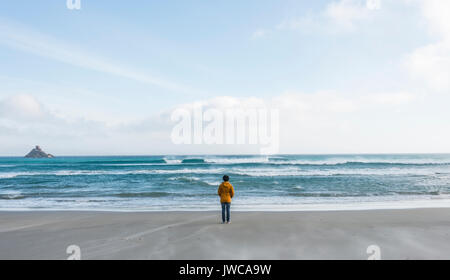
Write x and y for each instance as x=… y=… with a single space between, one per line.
x=346 y=76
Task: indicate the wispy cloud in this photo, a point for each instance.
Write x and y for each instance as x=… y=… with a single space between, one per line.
x=346 y=13
x=22 y=38
x=336 y=17
x=260 y=33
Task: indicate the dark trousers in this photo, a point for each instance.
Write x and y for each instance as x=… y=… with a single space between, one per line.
x=226 y=209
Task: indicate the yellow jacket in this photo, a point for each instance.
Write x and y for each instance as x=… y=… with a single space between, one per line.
x=226 y=192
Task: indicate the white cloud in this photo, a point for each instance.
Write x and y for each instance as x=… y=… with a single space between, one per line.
x=437 y=14
x=305 y=23
x=431 y=63
x=260 y=33
x=338 y=16
x=346 y=13
x=23 y=107
x=25 y=121
x=373 y=4
x=322 y=122
x=394 y=98
x=327 y=122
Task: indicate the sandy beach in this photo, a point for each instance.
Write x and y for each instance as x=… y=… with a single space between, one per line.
x=400 y=234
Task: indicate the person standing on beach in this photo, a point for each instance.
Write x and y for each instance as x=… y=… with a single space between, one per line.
x=226 y=193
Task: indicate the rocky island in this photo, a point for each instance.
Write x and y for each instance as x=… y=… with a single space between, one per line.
x=38 y=153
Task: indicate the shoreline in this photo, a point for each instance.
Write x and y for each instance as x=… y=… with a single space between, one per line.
x=431 y=203
x=15 y=211
x=400 y=234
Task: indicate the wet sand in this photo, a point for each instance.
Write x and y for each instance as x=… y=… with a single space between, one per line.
x=400 y=234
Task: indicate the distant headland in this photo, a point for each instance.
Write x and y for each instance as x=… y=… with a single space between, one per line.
x=37 y=152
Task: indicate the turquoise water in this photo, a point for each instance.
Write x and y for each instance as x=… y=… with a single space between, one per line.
x=284 y=182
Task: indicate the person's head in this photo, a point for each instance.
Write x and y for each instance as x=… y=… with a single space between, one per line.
x=226 y=178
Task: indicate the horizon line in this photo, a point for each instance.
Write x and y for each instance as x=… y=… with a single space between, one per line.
x=261 y=155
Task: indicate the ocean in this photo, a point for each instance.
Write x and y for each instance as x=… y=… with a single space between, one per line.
x=189 y=183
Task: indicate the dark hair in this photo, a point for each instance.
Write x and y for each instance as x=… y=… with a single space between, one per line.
x=226 y=178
